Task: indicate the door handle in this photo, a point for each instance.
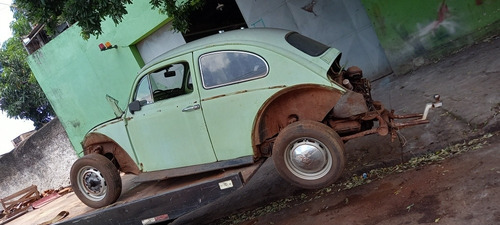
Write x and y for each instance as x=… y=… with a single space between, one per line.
x=192 y=108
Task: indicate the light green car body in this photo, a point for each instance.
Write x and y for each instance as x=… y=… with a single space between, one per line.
x=161 y=136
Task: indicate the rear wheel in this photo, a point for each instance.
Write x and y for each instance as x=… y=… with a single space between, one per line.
x=309 y=154
x=95 y=180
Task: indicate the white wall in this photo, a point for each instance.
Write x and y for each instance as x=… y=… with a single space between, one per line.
x=44 y=160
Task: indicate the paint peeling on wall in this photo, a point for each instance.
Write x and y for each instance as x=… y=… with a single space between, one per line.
x=310 y=7
x=416 y=32
x=443 y=20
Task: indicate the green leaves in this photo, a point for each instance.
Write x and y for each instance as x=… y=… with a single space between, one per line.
x=178 y=11
x=88 y=14
x=20 y=95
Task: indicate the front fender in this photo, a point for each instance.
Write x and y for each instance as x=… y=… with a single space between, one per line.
x=112 y=138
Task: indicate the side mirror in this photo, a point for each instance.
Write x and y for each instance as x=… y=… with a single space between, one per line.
x=134 y=106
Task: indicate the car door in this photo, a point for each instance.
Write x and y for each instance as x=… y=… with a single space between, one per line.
x=233 y=87
x=168 y=129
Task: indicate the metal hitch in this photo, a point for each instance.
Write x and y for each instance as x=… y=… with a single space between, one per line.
x=387 y=120
x=422 y=117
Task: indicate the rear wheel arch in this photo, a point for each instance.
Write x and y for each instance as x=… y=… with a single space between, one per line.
x=301 y=102
x=103 y=145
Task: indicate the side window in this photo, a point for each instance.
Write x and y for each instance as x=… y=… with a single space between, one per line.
x=228 y=67
x=168 y=82
x=143 y=91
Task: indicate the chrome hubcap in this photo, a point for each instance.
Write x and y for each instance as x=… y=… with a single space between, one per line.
x=308 y=159
x=92 y=183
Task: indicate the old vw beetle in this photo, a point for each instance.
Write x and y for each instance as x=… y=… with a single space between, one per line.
x=229 y=100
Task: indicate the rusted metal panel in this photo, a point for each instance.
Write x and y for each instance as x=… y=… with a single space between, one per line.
x=360 y=134
x=407 y=116
x=346 y=126
x=240 y=92
x=101 y=144
x=183 y=171
x=302 y=102
x=350 y=104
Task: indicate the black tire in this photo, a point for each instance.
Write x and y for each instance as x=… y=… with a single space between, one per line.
x=324 y=163
x=95 y=180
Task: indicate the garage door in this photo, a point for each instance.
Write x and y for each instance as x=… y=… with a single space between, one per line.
x=161 y=41
x=342 y=24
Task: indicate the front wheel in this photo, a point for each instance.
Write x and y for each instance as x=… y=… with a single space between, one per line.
x=309 y=154
x=95 y=180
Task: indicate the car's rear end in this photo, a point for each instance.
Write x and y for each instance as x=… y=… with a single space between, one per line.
x=307 y=148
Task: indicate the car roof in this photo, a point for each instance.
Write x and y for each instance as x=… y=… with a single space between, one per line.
x=263 y=36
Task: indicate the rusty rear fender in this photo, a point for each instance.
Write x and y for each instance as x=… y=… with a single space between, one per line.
x=300 y=102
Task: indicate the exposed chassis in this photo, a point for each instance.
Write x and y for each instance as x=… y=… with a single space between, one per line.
x=387 y=120
x=354 y=114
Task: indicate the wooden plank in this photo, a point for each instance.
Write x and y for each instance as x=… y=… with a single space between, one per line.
x=3 y=204
x=21 y=197
x=68 y=202
x=21 y=200
x=13 y=217
x=15 y=195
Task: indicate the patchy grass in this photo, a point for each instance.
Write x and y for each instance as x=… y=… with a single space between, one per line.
x=357 y=180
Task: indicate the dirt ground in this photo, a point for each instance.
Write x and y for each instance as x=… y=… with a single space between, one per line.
x=464 y=189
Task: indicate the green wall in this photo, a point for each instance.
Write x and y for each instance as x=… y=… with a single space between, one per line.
x=416 y=32
x=76 y=76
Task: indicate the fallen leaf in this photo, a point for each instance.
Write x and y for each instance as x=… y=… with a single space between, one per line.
x=409 y=207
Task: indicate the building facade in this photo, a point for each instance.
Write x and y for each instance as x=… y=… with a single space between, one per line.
x=378 y=36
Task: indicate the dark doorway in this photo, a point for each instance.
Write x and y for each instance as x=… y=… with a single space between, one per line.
x=214 y=16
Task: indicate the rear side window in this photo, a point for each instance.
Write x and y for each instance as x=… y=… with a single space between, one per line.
x=305 y=44
x=229 y=67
